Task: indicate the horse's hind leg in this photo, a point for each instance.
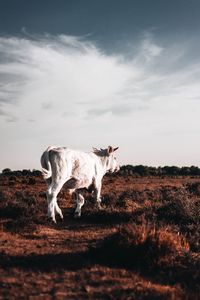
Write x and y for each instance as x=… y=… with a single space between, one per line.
x=48 y=194
x=52 y=200
x=79 y=203
x=58 y=210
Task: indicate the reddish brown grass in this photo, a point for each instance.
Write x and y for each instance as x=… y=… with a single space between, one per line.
x=144 y=244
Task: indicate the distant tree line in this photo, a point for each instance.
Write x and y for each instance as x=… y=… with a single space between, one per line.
x=138 y=170
x=24 y=172
x=141 y=170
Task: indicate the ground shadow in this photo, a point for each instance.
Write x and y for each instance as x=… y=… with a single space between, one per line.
x=46 y=262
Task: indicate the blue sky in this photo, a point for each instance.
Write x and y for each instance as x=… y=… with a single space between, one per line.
x=95 y=73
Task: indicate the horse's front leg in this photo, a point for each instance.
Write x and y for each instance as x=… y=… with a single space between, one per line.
x=97 y=194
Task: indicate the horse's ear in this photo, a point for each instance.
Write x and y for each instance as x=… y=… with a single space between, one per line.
x=110 y=149
x=115 y=149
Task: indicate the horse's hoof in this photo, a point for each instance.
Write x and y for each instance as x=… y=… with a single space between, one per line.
x=99 y=206
x=77 y=215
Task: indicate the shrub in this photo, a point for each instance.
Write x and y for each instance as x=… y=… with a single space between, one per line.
x=22 y=209
x=31 y=181
x=194 y=188
x=36 y=173
x=142 y=245
x=180 y=210
x=13 y=178
x=7 y=170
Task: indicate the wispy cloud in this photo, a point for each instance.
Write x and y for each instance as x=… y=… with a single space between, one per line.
x=70 y=87
x=149 y=49
x=47 y=105
x=59 y=73
x=2 y=113
x=59 y=70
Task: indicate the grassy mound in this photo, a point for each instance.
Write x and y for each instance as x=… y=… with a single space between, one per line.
x=142 y=245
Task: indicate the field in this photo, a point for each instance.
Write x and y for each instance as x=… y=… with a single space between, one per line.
x=144 y=244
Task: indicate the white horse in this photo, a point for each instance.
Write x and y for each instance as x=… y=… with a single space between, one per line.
x=77 y=170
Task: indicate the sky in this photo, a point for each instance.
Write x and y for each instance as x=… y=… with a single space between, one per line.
x=93 y=73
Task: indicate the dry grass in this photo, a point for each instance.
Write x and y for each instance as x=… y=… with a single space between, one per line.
x=144 y=244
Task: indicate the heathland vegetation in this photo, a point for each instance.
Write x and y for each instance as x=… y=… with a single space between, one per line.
x=144 y=244
x=138 y=170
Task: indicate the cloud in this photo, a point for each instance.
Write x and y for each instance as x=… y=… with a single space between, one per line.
x=47 y=105
x=65 y=75
x=58 y=73
x=149 y=49
x=8 y=117
x=115 y=110
x=12 y=119
x=65 y=88
x=2 y=113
